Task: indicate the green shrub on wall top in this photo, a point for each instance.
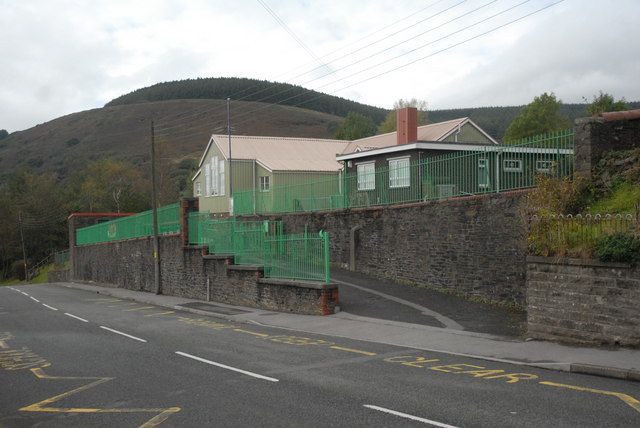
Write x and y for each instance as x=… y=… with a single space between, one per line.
x=619 y=247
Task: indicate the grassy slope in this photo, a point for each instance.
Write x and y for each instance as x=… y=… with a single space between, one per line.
x=122 y=133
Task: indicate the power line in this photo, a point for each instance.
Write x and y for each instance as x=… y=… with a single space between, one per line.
x=414 y=61
x=398 y=56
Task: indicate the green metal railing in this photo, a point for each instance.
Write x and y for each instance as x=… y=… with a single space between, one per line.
x=60 y=258
x=488 y=169
x=135 y=226
x=300 y=256
x=303 y=256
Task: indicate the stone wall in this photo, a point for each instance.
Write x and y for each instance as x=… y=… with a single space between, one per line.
x=595 y=135
x=583 y=302
x=58 y=275
x=473 y=246
x=186 y=272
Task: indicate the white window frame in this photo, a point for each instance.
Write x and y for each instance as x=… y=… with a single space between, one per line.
x=198 y=189
x=546 y=169
x=512 y=168
x=396 y=180
x=215 y=182
x=222 y=178
x=483 y=164
x=265 y=183
x=366 y=179
x=207 y=179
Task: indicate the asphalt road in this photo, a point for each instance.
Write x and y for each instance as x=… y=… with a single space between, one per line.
x=74 y=358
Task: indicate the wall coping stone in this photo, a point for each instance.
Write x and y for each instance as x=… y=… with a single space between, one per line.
x=256 y=268
x=448 y=201
x=575 y=262
x=218 y=256
x=299 y=283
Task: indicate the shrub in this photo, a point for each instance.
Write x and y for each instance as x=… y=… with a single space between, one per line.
x=618 y=247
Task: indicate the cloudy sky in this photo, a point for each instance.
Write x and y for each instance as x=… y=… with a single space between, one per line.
x=59 y=57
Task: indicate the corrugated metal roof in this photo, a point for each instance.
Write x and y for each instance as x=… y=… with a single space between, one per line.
x=284 y=153
x=432 y=132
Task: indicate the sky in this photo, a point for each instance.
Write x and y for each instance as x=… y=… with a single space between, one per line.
x=64 y=56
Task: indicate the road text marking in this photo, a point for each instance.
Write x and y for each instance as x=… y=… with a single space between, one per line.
x=193 y=357
x=123 y=334
x=50 y=307
x=139 y=309
x=355 y=351
x=73 y=316
x=404 y=415
x=161 y=313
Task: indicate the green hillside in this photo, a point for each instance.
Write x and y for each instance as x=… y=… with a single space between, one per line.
x=249 y=90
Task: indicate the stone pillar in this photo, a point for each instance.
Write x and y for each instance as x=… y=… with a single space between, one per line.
x=187 y=205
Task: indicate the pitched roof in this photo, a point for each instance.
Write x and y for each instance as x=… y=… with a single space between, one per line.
x=433 y=132
x=282 y=153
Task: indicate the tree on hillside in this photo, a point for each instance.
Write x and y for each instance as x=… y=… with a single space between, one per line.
x=356 y=126
x=3 y=134
x=540 y=116
x=389 y=124
x=110 y=186
x=605 y=102
x=34 y=205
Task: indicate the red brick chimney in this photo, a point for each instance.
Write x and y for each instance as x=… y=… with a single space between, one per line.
x=407 y=125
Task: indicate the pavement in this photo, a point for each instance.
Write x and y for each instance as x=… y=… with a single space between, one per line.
x=393 y=314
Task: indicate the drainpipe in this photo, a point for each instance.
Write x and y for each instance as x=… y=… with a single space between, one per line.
x=254 y=186
x=498 y=172
x=352 y=247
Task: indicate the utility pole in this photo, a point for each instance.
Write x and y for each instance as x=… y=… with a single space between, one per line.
x=230 y=163
x=154 y=211
x=24 y=252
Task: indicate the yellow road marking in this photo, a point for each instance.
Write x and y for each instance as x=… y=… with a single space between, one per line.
x=355 y=351
x=41 y=406
x=161 y=313
x=103 y=299
x=139 y=309
x=635 y=404
x=239 y=330
x=121 y=305
x=108 y=301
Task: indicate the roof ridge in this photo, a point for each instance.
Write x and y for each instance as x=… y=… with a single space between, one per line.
x=268 y=137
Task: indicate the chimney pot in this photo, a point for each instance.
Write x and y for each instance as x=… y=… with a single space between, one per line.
x=407 y=125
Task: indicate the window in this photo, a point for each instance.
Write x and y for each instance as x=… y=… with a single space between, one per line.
x=544 y=166
x=512 y=165
x=264 y=184
x=222 y=178
x=483 y=173
x=399 y=173
x=207 y=179
x=366 y=176
x=215 y=190
x=198 y=189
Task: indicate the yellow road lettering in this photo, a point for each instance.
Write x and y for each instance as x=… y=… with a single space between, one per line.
x=482 y=373
x=514 y=377
x=253 y=333
x=411 y=360
x=454 y=368
x=355 y=351
x=161 y=313
x=631 y=401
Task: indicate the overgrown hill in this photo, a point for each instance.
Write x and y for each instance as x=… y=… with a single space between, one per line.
x=249 y=90
x=122 y=132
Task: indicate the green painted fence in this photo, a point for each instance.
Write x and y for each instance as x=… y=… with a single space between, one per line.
x=303 y=257
x=135 y=226
x=489 y=169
